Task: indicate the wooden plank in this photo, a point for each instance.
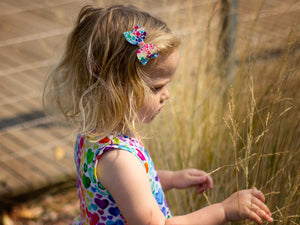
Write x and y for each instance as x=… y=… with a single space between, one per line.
x=16 y=99
x=35 y=78
x=8 y=111
x=21 y=108
x=35 y=103
x=22 y=165
x=35 y=169
x=25 y=107
x=59 y=131
x=12 y=7
x=44 y=158
x=23 y=53
x=6 y=91
x=47 y=136
x=29 y=149
x=39 y=20
x=9 y=181
x=52 y=133
x=25 y=173
x=11 y=87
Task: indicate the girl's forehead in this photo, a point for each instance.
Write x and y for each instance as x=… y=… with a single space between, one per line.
x=166 y=66
x=159 y=79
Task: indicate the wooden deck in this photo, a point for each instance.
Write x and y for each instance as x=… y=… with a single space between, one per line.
x=34 y=153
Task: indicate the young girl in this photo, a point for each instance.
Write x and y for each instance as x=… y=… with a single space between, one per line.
x=114 y=75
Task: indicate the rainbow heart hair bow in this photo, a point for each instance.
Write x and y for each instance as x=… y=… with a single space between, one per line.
x=137 y=37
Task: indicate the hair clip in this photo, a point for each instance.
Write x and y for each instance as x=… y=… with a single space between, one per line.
x=137 y=37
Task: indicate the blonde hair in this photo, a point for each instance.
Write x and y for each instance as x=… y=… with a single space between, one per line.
x=99 y=84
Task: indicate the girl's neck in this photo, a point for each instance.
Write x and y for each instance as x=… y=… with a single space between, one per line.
x=126 y=132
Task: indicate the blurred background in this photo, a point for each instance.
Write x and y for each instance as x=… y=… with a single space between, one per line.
x=234 y=110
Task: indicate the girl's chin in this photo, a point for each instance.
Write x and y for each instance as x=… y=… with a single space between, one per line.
x=149 y=118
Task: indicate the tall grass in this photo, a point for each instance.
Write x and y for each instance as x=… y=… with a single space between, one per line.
x=243 y=128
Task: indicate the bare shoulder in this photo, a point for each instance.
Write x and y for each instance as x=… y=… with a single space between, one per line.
x=117 y=163
x=124 y=176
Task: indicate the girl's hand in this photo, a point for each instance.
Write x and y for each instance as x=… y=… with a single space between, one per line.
x=247 y=204
x=192 y=177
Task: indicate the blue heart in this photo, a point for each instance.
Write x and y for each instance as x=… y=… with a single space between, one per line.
x=118 y=222
x=111 y=198
x=114 y=211
x=94 y=207
x=159 y=196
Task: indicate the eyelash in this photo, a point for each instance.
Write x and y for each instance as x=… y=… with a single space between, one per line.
x=157 y=89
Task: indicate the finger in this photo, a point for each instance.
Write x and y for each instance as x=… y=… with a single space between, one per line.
x=256 y=211
x=201 y=173
x=259 y=204
x=263 y=215
x=200 y=177
x=196 y=172
x=254 y=217
x=258 y=194
x=210 y=182
x=197 y=180
x=199 y=191
x=201 y=188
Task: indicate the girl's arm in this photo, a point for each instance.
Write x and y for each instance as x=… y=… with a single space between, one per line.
x=245 y=204
x=125 y=178
x=184 y=179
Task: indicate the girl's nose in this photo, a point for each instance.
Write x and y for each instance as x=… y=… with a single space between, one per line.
x=165 y=95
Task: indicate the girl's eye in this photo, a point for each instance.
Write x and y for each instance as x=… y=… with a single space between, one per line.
x=157 y=89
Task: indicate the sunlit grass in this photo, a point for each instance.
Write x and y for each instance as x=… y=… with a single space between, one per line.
x=237 y=120
x=244 y=130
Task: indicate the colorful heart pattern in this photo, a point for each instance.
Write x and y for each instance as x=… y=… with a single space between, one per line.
x=97 y=206
x=137 y=37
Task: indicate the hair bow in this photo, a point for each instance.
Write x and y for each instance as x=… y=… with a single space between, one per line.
x=137 y=37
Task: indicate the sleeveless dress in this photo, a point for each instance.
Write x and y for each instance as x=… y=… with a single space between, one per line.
x=97 y=206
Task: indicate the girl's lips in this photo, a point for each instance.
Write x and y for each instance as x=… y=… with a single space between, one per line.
x=160 y=109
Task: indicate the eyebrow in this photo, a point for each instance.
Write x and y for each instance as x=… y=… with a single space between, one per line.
x=161 y=83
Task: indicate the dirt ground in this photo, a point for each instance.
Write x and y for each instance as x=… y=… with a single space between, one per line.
x=53 y=207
